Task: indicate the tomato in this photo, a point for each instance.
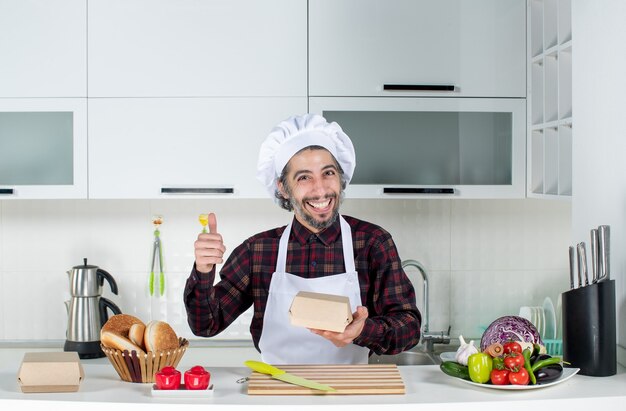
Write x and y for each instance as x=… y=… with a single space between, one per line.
x=512 y=346
x=514 y=361
x=500 y=377
x=520 y=377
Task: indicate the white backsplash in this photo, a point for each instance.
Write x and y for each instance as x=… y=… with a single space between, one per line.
x=485 y=258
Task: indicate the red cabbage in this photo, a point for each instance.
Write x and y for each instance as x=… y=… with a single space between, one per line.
x=510 y=328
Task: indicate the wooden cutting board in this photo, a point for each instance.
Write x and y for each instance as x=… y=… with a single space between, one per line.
x=362 y=379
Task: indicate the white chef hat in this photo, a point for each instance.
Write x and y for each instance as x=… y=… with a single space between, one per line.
x=296 y=133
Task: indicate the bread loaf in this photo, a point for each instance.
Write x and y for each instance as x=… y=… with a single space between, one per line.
x=114 y=340
x=136 y=333
x=120 y=324
x=115 y=333
x=160 y=336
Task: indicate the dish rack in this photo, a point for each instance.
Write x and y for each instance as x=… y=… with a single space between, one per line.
x=554 y=347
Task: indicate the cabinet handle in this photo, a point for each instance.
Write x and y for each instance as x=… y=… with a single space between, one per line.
x=419 y=87
x=6 y=191
x=398 y=190
x=202 y=190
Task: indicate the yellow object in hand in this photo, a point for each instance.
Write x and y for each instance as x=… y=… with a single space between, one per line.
x=204 y=220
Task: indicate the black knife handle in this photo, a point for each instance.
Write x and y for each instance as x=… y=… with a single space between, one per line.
x=6 y=191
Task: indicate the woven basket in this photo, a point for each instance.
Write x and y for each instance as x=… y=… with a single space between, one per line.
x=133 y=367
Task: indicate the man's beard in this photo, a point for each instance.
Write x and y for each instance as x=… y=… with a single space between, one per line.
x=308 y=218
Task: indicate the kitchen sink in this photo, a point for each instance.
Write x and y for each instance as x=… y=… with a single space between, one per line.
x=406 y=358
x=413 y=357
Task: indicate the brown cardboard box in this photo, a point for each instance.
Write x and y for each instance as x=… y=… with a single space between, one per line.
x=50 y=372
x=320 y=311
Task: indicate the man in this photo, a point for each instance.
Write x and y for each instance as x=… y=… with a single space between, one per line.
x=306 y=163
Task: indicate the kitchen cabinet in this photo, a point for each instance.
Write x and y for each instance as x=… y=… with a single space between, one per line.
x=43 y=148
x=43 y=44
x=478 y=47
x=434 y=148
x=550 y=99
x=180 y=147
x=197 y=48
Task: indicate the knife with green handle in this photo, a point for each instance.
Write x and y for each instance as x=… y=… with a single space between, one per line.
x=282 y=375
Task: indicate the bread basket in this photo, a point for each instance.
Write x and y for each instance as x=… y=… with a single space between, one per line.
x=133 y=367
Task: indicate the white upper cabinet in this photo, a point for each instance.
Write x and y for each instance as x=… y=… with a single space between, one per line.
x=43 y=48
x=180 y=147
x=475 y=48
x=43 y=148
x=425 y=147
x=196 y=48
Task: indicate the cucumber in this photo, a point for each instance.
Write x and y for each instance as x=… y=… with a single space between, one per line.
x=455 y=369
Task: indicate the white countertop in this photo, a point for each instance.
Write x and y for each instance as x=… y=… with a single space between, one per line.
x=426 y=386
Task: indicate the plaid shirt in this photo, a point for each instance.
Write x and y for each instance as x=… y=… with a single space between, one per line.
x=394 y=321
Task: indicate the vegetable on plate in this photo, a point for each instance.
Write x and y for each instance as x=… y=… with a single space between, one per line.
x=510 y=328
x=514 y=360
x=464 y=351
x=519 y=377
x=454 y=369
x=480 y=366
x=527 y=365
x=548 y=373
x=512 y=346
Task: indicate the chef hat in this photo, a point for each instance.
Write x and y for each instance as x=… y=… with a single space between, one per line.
x=296 y=133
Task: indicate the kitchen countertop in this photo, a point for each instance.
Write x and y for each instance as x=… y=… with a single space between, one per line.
x=426 y=386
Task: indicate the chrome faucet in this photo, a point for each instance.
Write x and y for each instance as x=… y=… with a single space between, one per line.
x=428 y=338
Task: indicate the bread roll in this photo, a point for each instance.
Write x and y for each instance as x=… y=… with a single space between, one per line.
x=114 y=340
x=135 y=334
x=120 y=324
x=159 y=336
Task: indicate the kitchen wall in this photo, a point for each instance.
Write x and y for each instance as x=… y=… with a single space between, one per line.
x=485 y=258
x=599 y=195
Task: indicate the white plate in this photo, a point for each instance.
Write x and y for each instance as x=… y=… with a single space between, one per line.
x=567 y=374
x=182 y=392
x=526 y=312
x=559 y=320
x=540 y=317
x=448 y=356
x=550 y=325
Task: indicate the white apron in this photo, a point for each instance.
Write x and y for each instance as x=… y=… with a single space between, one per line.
x=283 y=343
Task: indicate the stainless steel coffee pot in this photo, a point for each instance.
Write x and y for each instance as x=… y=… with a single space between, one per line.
x=87 y=311
x=88 y=280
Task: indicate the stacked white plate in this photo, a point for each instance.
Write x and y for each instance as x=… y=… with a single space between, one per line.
x=543 y=318
x=535 y=315
x=550 y=323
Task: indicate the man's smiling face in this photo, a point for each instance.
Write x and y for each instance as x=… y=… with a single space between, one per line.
x=313 y=187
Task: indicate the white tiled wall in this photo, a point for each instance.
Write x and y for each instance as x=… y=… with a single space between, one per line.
x=485 y=258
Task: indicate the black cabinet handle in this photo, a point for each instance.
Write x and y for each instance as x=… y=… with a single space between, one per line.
x=6 y=191
x=418 y=87
x=398 y=190
x=201 y=190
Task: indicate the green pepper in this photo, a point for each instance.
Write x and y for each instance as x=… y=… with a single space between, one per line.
x=479 y=366
x=528 y=366
x=544 y=362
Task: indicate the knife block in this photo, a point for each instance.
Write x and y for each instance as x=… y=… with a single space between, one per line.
x=589 y=335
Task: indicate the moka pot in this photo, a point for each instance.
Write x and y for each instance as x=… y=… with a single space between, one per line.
x=87 y=311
